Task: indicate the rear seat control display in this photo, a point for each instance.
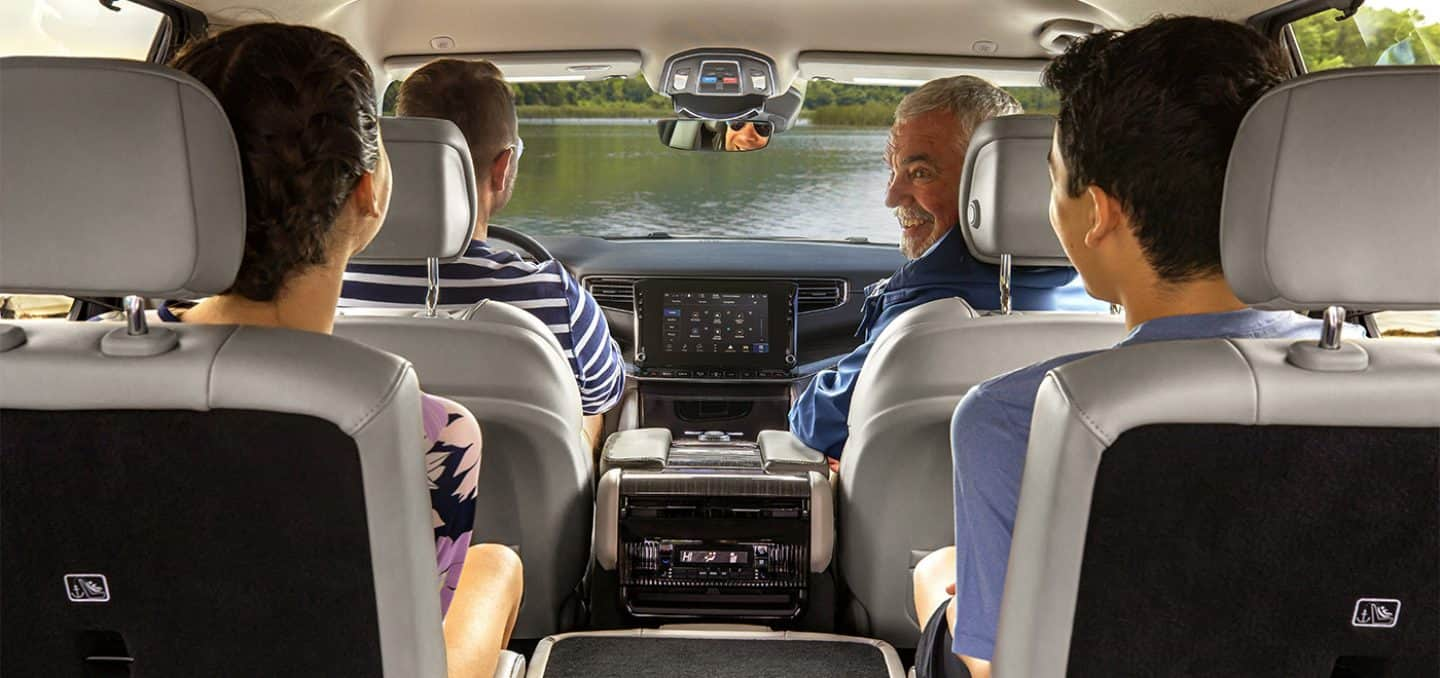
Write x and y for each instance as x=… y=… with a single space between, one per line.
x=715 y=329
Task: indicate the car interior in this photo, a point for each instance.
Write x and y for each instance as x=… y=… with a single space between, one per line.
x=184 y=500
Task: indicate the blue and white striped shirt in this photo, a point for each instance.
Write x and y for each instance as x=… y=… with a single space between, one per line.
x=547 y=291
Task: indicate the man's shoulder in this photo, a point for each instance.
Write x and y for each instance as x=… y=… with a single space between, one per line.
x=1017 y=388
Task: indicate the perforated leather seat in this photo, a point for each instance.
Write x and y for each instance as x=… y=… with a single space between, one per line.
x=536 y=490
x=185 y=500
x=896 y=462
x=1258 y=507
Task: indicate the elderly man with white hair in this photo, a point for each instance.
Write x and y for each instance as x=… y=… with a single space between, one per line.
x=925 y=154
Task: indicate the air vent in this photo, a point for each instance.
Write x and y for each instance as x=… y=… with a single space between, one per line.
x=820 y=295
x=813 y=294
x=613 y=293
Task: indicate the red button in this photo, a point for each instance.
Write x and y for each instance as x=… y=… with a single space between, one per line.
x=730 y=81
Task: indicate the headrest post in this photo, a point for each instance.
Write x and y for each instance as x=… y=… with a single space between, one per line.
x=1330 y=332
x=432 y=285
x=136 y=325
x=1005 y=270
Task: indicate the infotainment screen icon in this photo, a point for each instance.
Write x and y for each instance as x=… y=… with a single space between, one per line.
x=730 y=329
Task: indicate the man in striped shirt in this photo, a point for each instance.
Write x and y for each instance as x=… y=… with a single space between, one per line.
x=474 y=96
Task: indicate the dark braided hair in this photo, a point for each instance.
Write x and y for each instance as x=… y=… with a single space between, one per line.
x=302 y=104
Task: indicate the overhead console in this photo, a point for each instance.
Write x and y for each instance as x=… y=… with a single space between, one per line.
x=719 y=84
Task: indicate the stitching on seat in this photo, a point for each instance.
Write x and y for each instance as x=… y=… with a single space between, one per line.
x=1254 y=379
x=386 y=399
x=1090 y=423
x=214 y=359
x=190 y=180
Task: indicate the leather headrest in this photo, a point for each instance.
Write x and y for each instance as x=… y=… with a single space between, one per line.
x=1332 y=196
x=1005 y=192
x=433 y=204
x=117 y=177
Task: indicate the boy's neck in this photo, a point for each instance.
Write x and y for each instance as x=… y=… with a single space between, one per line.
x=1163 y=299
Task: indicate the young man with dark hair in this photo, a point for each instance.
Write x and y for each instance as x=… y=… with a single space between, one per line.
x=1147 y=119
x=474 y=96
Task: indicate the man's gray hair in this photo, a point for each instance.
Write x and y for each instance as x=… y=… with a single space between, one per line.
x=970 y=99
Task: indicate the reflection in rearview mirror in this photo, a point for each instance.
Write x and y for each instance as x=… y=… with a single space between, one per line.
x=715 y=135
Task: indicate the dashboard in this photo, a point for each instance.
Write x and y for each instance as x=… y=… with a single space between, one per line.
x=830 y=278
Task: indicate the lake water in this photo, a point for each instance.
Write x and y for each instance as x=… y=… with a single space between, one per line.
x=614 y=178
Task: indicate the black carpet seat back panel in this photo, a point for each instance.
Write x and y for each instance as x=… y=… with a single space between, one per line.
x=231 y=543
x=1222 y=550
x=641 y=657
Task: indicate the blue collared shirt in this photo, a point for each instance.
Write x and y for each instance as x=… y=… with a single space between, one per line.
x=819 y=416
x=988 y=438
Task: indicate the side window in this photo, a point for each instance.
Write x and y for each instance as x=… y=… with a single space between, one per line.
x=77 y=28
x=1382 y=33
x=1409 y=324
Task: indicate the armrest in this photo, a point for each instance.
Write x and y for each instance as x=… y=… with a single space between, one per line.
x=782 y=452
x=511 y=665
x=641 y=448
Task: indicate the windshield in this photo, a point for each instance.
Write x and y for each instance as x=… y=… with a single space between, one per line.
x=593 y=166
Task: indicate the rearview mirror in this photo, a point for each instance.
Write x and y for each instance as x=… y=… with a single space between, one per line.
x=715 y=135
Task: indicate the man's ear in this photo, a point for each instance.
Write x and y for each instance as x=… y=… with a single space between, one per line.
x=500 y=170
x=1106 y=216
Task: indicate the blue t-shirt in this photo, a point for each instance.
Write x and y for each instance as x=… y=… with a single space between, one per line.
x=988 y=438
x=819 y=416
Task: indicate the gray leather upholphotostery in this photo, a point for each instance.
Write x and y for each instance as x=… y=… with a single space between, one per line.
x=370 y=395
x=500 y=362
x=536 y=477
x=1084 y=406
x=1333 y=193
x=644 y=448
x=118 y=177
x=511 y=665
x=433 y=204
x=896 y=463
x=1311 y=218
x=1005 y=192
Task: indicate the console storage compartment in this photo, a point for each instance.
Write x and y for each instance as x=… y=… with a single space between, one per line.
x=660 y=653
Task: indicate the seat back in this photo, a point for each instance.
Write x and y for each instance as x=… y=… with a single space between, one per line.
x=1257 y=507
x=185 y=500
x=896 y=461
x=536 y=489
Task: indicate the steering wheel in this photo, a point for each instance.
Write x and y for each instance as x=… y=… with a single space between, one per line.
x=527 y=244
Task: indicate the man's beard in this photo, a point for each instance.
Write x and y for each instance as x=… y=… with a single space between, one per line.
x=917 y=231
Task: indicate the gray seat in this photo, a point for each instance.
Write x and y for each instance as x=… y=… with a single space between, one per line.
x=536 y=490
x=1258 y=507
x=896 y=462
x=185 y=500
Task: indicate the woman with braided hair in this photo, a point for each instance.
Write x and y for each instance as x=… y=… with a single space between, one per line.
x=317 y=187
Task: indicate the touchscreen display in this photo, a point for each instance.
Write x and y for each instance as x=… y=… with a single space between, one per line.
x=718 y=326
x=715 y=323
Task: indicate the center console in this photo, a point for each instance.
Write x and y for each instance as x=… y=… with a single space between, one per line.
x=714 y=358
x=689 y=530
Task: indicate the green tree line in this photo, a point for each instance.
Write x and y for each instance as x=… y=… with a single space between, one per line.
x=1373 y=36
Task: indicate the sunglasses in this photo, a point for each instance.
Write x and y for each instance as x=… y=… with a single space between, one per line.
x=761 y=128
x=519 y=147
